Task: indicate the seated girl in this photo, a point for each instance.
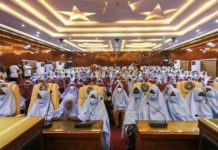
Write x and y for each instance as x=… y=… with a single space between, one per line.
x=71 y=89
x=197 y=104
x=42 y=106
x=7 y=102
x=177 y=108
x=119 y=101
x=153 y=106
x=68 y=109
x=94 y=109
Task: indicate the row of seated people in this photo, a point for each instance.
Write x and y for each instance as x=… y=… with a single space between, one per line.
x=87 y=103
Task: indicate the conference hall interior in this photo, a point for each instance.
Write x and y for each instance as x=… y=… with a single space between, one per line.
x=108 y=74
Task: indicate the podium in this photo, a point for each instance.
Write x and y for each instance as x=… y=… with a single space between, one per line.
x=23 y=133
x=179 y=135
x=208 y=134
x=64 y=136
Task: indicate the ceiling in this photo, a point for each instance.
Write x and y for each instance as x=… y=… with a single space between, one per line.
x=111 y=25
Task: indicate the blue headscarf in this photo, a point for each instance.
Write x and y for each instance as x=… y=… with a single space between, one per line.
x=146 y=112
x=71 y=89
x=7 y=103
x=42 y=106
x=197 y=104
x=212 y=100
x=177 y=108
x=119 y=98
x=94 y=109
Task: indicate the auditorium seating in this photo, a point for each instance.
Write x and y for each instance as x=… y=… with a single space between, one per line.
x=215 y=85
x=186 y=86
x=52 y=89
x=16 y=92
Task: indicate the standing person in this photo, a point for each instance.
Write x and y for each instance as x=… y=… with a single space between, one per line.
x=14 y=69
x=27 y=70
x=3 y=74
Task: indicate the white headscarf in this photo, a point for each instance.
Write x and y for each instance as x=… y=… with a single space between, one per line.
x=97 y=111
x=119 y=99
x=42 y=106
x=132 y=112
x=62 y=111
x=212 y=100
x=146 y=112
x=197 y=104
x=7 y=103
x=178 y=109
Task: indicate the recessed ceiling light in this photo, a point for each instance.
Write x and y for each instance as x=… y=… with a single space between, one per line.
x=216 y=21
x=96 y=38
x=210 y=44
x=189 y=49
x=37 y=32
x=27 y=46
x=197 y=30
x=23 y=25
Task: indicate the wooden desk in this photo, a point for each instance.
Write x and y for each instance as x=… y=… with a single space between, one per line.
x=181 y=135
x=63 y=136
x=208 y=134
x=21 y=133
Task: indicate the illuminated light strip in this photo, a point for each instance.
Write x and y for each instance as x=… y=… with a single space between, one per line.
x=145 y=40
x=209 y=17
x=59 y=35
x=66 y=22
x=189 y=40
x=14 y=13
x=30 y=36
x=141 y=44
x=74 y=45
x=81 y=45
x=128 y=29
x=55 y=13
x=34 y=12
x=93 y=44
x=111 y=35
x=82 y=40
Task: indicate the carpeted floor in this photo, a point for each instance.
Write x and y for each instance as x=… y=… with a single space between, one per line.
x=117 y=143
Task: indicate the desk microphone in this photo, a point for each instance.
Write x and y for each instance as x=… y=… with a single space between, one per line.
x=157 y=123
x=202 y=115
x=47 y=124
x=87 y=123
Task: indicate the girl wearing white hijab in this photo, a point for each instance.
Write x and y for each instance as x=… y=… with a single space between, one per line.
x=68 y=109
x=131 y=115
x=42 y=106
x=119 y=101
x=166 y=90
x=211 y=96
x=7 y=102
x=94 y=109
x=197 y=104
x=177 y=108
x=153 y=105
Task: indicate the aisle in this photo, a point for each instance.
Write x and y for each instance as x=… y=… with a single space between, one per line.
x=117 y=143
